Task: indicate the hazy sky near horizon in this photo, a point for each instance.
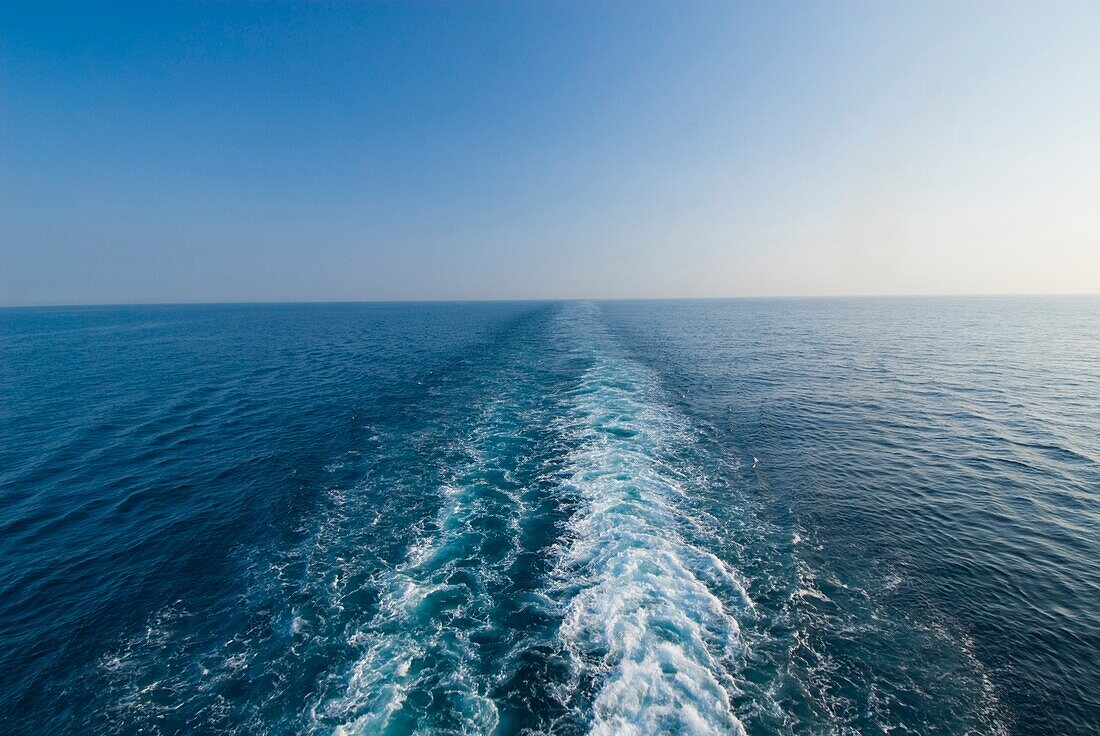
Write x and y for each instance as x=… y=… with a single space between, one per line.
x=161 y=152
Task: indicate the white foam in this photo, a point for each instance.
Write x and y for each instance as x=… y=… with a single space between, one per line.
x=649 y=614
x=412 y=642
x=406 y=635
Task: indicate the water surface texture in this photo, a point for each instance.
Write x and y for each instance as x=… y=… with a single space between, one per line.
x=867 y=516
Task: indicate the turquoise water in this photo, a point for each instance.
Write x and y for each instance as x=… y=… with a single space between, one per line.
x=761 y=516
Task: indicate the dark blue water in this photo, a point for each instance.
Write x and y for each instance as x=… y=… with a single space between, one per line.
x=793 y=517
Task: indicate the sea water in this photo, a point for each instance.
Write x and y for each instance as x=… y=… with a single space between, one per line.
x=865 y=516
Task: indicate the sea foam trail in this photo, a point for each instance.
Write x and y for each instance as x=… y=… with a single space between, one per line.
x=649 y=618
x=420 y=668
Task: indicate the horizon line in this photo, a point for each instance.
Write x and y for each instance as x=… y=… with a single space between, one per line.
x=504 y=300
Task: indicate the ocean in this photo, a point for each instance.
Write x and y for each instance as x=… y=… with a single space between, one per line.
x=817 y=516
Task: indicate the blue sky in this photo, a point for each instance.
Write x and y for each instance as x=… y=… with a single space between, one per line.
x=162 y=152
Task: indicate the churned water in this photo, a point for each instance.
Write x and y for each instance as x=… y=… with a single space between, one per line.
x=867 y=516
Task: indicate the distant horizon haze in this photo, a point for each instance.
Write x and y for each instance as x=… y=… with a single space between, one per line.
x=551 y=299
x=194 y=153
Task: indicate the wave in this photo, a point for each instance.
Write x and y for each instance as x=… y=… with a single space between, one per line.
x=649 y=618
x=427 y=657
x=555 y=584
x=549 y=534
x=419 y=661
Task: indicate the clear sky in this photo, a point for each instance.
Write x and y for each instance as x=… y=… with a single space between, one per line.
x=160 y=152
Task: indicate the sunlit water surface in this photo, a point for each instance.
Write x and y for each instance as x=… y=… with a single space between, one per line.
x=718 y=517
